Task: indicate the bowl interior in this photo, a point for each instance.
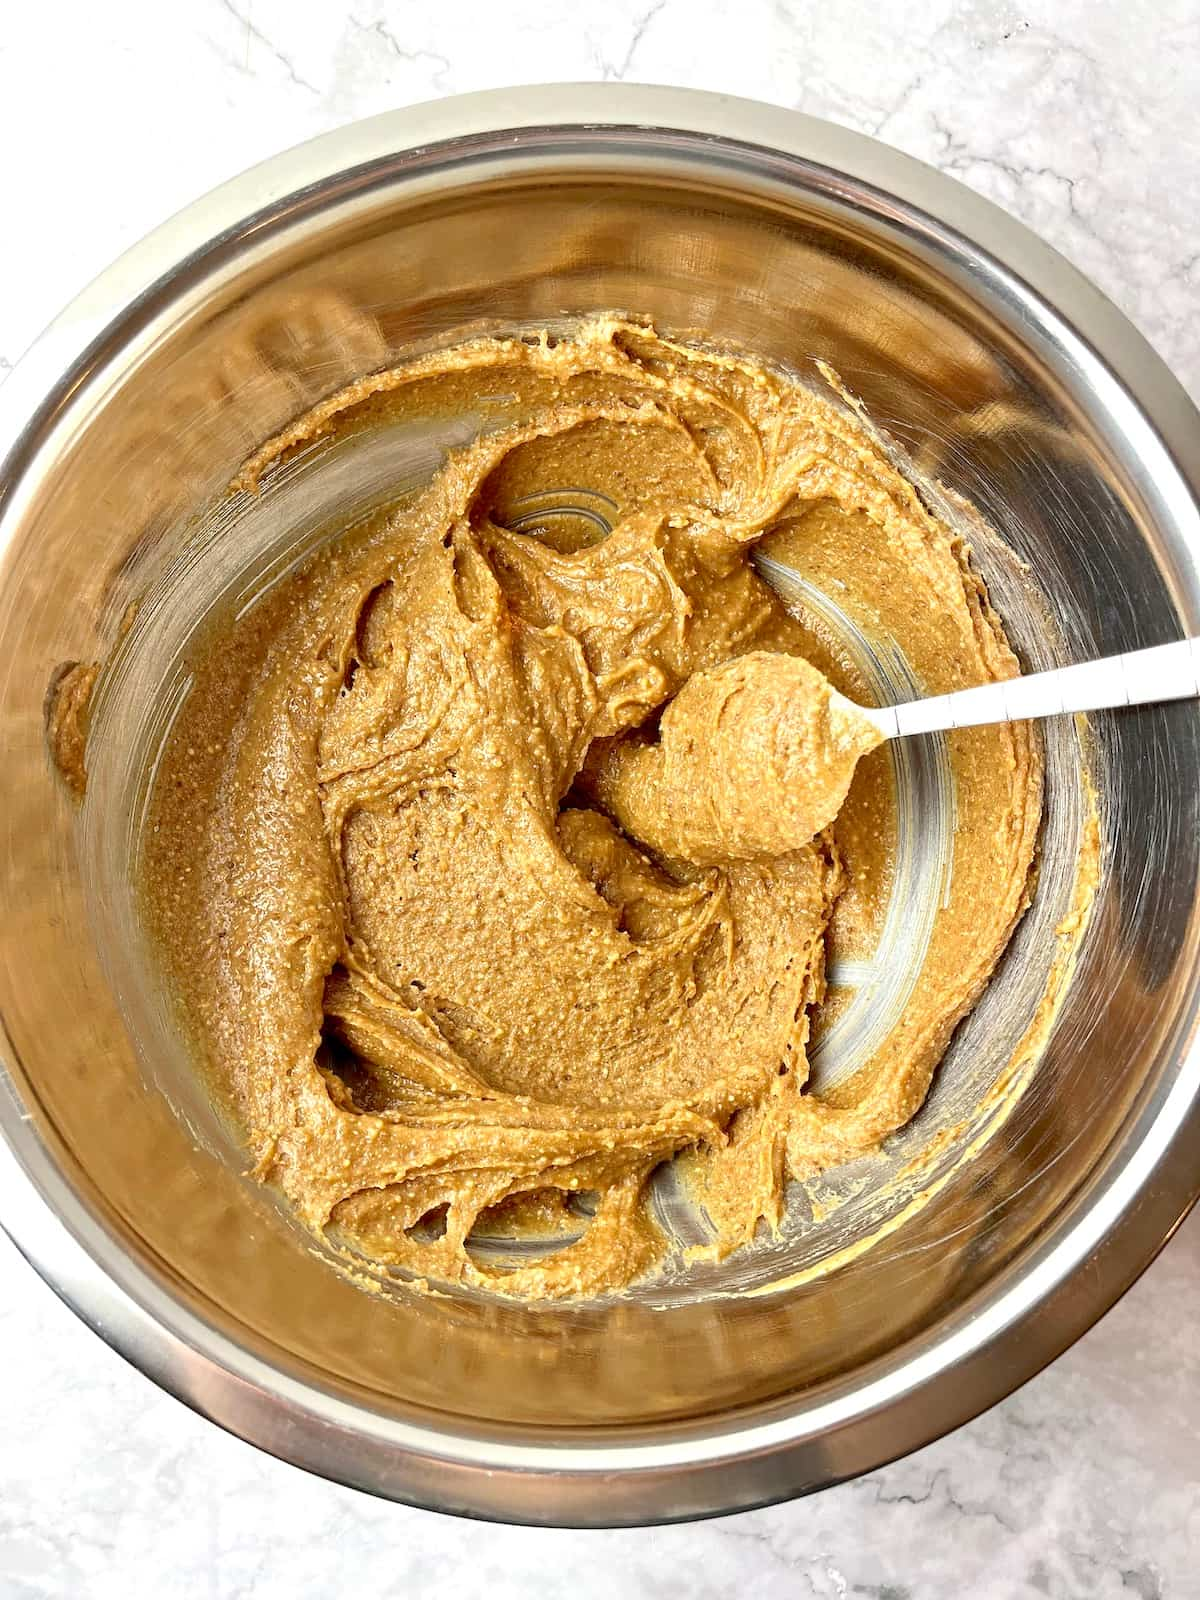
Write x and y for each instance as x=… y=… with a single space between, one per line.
x=116 y=492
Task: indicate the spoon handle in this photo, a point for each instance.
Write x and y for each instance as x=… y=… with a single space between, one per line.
x=1139 y=677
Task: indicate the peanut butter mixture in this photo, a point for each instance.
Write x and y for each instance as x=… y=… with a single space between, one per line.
x=495 y=854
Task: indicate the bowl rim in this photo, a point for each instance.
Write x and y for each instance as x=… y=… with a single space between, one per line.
x=1116 y=1228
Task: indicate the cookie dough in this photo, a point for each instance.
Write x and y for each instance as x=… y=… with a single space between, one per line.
x=496 y=855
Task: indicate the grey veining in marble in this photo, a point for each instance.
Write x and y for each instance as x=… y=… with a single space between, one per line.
x=1083 y=118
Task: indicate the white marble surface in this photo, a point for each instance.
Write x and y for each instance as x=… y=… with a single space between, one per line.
x=1083 y=117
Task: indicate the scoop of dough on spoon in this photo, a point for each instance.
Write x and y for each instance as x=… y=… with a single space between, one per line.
x=755 y=757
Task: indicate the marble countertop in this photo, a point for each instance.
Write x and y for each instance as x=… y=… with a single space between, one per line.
x=1080 y=116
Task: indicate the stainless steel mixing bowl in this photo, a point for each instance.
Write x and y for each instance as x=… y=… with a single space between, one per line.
x=1007 y=377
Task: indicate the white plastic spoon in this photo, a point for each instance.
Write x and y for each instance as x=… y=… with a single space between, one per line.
x=755 y=756
x=1139 y=677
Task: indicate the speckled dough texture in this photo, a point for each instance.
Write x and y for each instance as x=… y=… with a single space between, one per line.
x=489 y=856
